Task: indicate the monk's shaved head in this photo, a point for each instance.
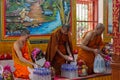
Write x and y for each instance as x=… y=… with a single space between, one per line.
x=100 y=25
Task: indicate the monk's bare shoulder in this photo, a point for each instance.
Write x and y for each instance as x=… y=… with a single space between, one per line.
x=87 y=38
x=16 y=44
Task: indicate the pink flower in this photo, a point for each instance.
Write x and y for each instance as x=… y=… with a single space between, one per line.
x=47 y=64
x=35 y=52
x=7 y=68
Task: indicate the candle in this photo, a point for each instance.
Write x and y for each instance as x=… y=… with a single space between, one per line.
x=111 y=41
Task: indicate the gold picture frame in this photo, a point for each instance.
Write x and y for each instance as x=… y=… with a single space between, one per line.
x=108 y=33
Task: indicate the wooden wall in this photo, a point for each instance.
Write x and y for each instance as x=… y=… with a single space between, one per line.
x=6 y=46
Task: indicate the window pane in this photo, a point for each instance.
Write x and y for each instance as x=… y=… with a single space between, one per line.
x=83 y=27
x=86 y=15
x=82 y=12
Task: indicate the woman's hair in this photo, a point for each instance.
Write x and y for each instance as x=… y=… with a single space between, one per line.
x=25 y=32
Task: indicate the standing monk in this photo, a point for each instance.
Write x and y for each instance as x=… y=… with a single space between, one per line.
x=90 y=46
x=59 y=48
x=21 y=56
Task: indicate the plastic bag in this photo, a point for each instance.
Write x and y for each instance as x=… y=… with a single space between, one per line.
x=99 y=64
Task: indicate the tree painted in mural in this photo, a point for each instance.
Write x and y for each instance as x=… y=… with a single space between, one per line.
x=40 y=17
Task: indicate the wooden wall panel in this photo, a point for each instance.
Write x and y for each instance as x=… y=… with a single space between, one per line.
x=5 y=46
x=116 y=41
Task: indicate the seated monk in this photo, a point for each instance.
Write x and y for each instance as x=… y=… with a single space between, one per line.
x=21 y=56
x=90 y=46
x=59 y=48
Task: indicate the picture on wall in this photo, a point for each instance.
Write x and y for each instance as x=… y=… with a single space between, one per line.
x=110 y=20
x=40 y=17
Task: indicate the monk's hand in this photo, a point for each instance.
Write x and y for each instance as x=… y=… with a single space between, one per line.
x=96 y=51
x=68 y=58
x=103 y=55
x=37 y=66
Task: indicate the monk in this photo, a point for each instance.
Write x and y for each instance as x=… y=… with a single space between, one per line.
x=21 y=56
x=90 y=46
x=59 y=48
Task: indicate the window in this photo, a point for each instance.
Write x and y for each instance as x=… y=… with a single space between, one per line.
x=86 y=15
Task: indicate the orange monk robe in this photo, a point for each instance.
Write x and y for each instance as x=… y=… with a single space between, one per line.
x=57 y=41
x=88 y=56
x=21 y=70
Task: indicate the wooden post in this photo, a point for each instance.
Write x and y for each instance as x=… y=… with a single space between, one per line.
x=115 y=67
x=116 y=41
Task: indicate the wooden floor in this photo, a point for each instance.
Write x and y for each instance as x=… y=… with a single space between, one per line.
x=90 y=77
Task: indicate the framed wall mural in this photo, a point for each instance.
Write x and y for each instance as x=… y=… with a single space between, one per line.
x=110 y=19
x=40 y=17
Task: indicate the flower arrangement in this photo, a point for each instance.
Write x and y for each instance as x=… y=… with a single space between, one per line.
x=37 y=54
x=108 y=49
x=82 y=68
x=7 y=73
x=47 y=64
x=108 y=61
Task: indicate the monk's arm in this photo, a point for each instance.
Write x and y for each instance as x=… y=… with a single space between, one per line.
x=68 y=49
x=85 y=41
x=66 y=57
x=60 y=53
x=19 y=54
x=101 y=44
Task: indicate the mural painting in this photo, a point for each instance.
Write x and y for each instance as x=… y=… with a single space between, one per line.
x=40 y=17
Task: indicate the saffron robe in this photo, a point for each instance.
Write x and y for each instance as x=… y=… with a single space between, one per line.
x=89 y=56
x=58 y=41
x=21 y=70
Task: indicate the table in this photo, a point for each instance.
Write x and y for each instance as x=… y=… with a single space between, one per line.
x=106 y=76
